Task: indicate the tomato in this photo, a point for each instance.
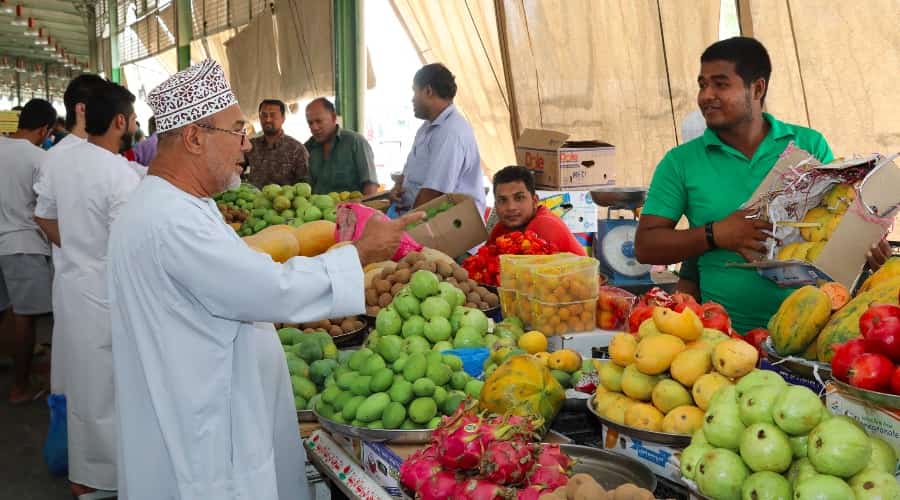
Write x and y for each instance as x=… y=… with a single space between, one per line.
x=844 y=355
x=872 y=372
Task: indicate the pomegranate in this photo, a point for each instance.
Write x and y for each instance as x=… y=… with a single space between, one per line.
x=895 y=381
x=844 y=354
x=883 y=337
x=875 y=315
x=872 y=372
x=714 y=316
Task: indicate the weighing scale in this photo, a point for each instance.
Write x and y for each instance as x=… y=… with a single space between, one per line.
x=614 y=247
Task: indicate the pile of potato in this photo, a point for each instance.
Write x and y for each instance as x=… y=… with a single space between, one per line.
x=233 y=214
x=386 y=279
x=334 y=327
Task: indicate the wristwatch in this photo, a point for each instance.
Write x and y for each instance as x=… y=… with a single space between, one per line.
x=710 y=239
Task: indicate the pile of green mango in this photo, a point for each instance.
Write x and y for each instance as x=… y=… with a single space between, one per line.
x=311 y=359
x=431 y=213
x=289 y=204
x=503 y=343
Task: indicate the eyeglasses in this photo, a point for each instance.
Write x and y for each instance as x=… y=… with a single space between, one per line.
x=242 y=133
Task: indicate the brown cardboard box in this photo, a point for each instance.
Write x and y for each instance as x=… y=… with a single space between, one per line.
x=558 y=164
x=844 y=255
x=455 y=231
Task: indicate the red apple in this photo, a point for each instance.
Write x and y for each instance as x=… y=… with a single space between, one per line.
x=638 y=315
x=895 y=381
x=715 y=317
x=872 y=372
x=875 y=315
x=844 y=354
x=884 y=338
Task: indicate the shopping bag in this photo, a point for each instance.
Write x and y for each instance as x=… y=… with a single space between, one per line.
x=56 y=449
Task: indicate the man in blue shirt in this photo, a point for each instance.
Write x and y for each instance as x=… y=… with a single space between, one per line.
x=444 y=156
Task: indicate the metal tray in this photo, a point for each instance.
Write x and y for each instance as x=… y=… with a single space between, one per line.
x=798 y=366
x=396 y=436
x=663 y=438
x=882 y=399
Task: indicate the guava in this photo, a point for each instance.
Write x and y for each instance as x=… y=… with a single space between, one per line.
x=454 y=296
x=436 y=307
x=699 y=438
x=442 y=346
x=302 y=189
x=437 y=329
x=757 y=378
x=797 y=410
x=312 y=213
x=489 y=339
x=839 y=447
x=515 y=320
x=390 y=347
x=800 y=470
x=823 y=487
x=766 y=485
x=456 y=316
x=388 y=321
x=414 y=326
x=875 y=485
x=475 y=319
x=756 y=404
x=722 y=426
x=508 y=328
x=300 y=205
x=765 y=447
x=725 y=395
x=467 y=337
x=417 y=344
x=884 y=458
x=406 y=304
x=424 y=284
x=270 y=191
x=322 y=201
x=720 y=474
x=690 y=457
x=281 y=203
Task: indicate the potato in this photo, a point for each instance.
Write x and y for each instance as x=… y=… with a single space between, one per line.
x=382 y=285
x=473 y=297
x=403 y=265
x=396 y=288
x=492 y=300
x=461 y=275
x=451 y=280
x=591 y=491
x=483 y=306
x=372 y=310
x=357 y=324
x=430 y=266
x=385 y=299
x=576 y=481
x=385 y=272
x=482 y=291
x=626 y=492
x=472 y=284
x=335 y=330
x=444 y=269
x=402 y=276
x=471 y=305
x=348 y=325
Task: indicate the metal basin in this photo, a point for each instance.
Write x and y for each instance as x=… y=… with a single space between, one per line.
x=622 y=198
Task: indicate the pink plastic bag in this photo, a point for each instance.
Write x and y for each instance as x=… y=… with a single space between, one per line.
x=351 y=219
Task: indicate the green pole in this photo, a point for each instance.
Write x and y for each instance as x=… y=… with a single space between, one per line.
x=350 y=62
x=184 y=32
x=112 y=9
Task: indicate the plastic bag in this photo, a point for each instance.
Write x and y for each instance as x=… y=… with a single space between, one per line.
x=351 y=219
x=56 y=448
x=614 y=306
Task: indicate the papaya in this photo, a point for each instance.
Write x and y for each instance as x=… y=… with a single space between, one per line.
x=837 y=293
x=315 y=237
x=844 y=324
x=279 y=243
x=522 y=386
x=890 y=270
x=799 y=319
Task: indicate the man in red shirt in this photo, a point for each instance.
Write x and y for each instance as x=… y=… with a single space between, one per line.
x=518 y=209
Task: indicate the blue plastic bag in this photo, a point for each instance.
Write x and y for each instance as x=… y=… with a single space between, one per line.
x=56 y=447
x=472 y=358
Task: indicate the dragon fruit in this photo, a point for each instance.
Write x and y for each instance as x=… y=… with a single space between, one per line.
x=532 y=492
x=481 y=489
x=439 y=486
x=547 y=476
x=419 y=468
x=551 y=454
x=506 y=462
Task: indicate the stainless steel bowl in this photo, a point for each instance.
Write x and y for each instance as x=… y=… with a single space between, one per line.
x=663 y=438
x=609 y=469
x=622 y=198
x=802 y=367
x=396 y=436
x=882 y=399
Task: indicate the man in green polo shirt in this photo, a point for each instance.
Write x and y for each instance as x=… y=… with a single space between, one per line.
x=709 y=178
x=339 y=159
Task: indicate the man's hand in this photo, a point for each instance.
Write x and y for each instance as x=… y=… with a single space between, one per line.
x=742 y=235
x=879 y=254
x=397 y=194
x=381 y=237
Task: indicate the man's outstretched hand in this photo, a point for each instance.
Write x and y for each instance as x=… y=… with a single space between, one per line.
x=381 y=237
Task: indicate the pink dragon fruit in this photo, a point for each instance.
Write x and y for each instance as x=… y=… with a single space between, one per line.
x=547 y=476
x=440 y=486
x=506 y=462
x=481 y=489
x=552 y=454
x=419 y=468
x=532 y=493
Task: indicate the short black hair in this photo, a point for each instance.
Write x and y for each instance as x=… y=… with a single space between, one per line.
x=78 y=91
x=439 y=78
x=750 y=58
x=151 y=125
x=35 y=114
x=515 y=173
x=328 y=105
x=272 y=102
x=102 y=108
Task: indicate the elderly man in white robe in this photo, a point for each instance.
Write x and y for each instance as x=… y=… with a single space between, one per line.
x=205 y=402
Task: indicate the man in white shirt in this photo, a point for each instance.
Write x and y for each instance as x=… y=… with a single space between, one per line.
x=444 y=156
x=75 y=99
x=25 y=272
x=204 y=396
x=88 y=195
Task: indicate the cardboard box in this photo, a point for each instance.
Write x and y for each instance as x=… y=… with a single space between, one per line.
x=581 y=342
x=662 y=460
x=879 y=422
x=844 y=254
x=558 y=164
x=576 y=209
x=454 y=231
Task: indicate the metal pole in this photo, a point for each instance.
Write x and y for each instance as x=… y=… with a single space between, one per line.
x=184 y=32
x=350 y=62
x=112 y=9
x=18 y=88
x=46 y=82
x=93 y=46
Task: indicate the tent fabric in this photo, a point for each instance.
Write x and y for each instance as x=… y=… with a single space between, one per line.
x=254 y=64
x=305 y=49
x=462 y=34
